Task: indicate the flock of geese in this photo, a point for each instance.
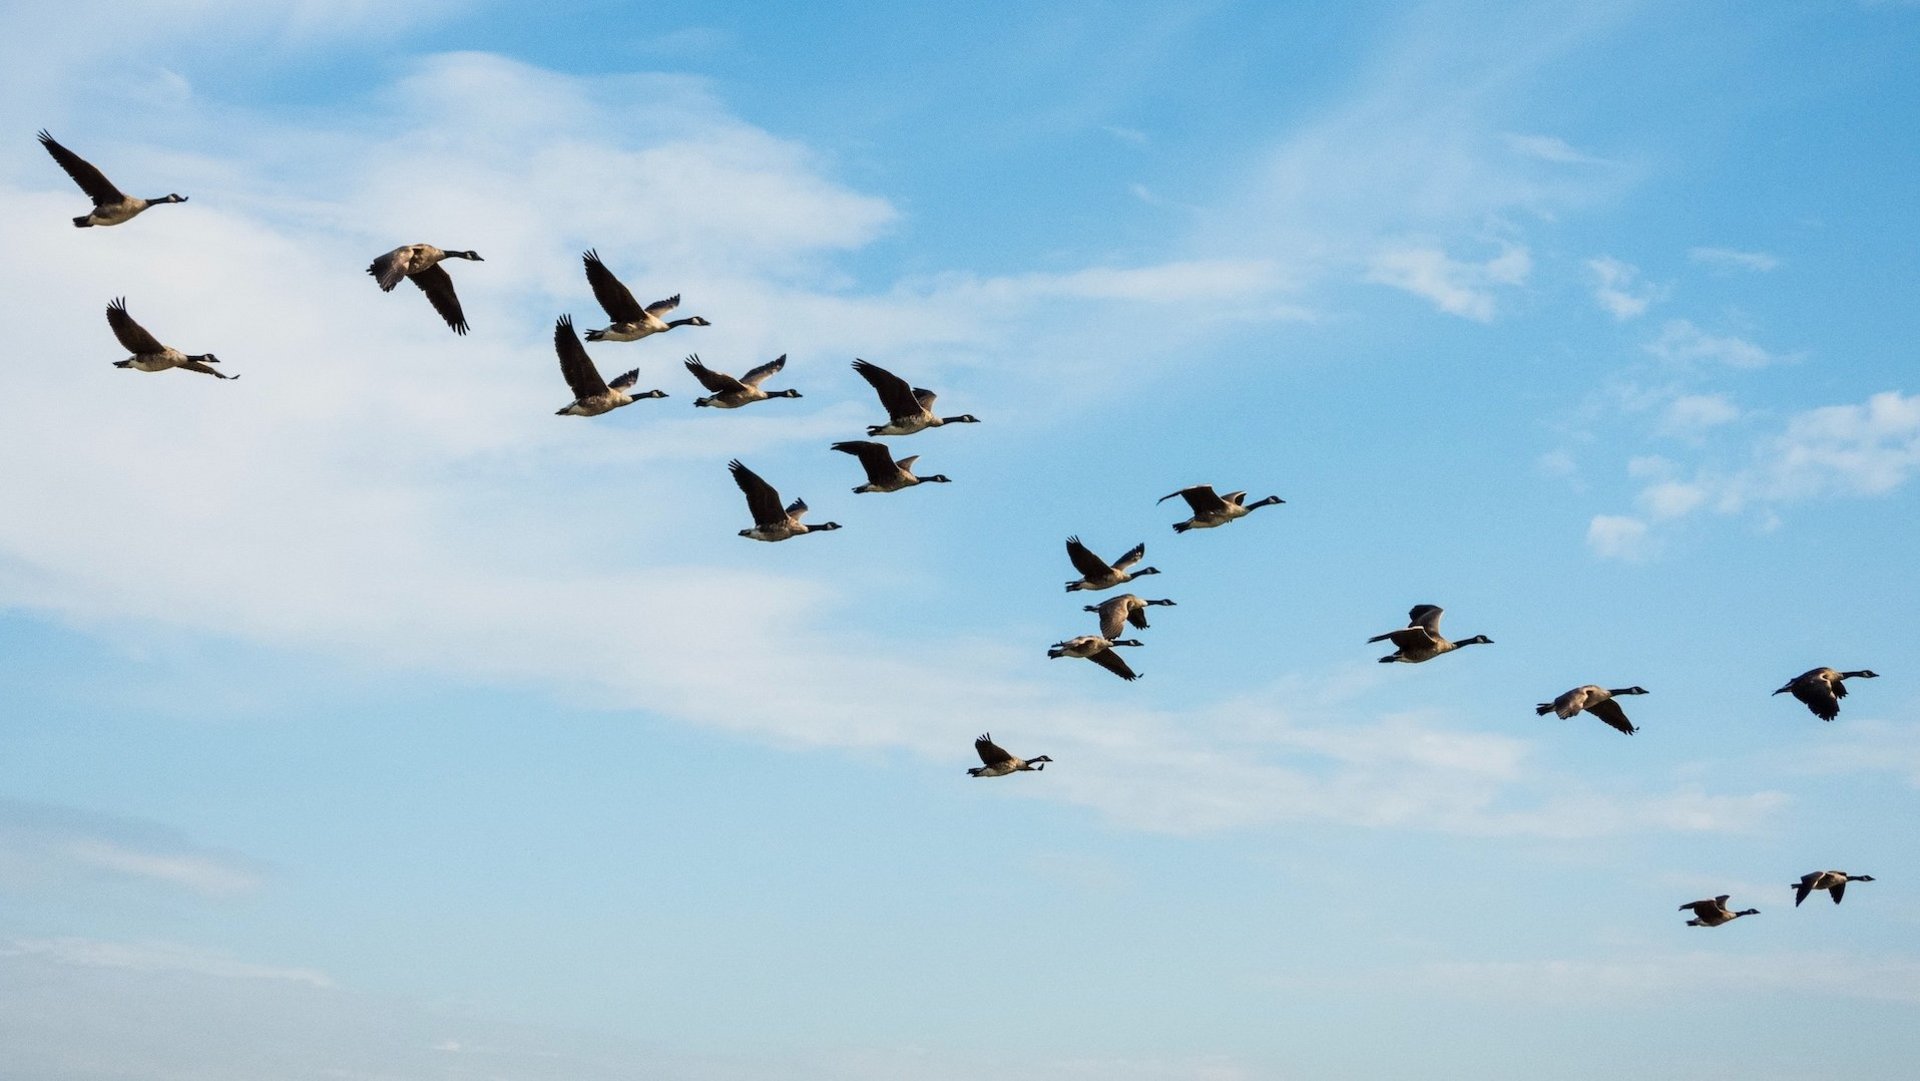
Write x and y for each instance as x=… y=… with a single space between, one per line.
x=909 y=410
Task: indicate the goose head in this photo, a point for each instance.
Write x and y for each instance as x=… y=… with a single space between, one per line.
x=1038 y=762
x=170 y=198
x=964 y=418
x=783 y=394
x=1267 y=502
x=650 y=394
x=694 y=321
x=473 y=255
x=937 y=478
x=823 y=527
x=1861 y=674
x=1125 y=642
x=1163 y=601
x=1144 y=571
x=1628 y=690
x=1859 y=878
x=1476 y=640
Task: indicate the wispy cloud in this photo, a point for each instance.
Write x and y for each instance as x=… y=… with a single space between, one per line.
x=1551 y=148
x=1618 y=288
x=1454 y=286
x=1681 y=342
x=1692 y=414
x=1614 y=536
x=1733 y=259
x=155 y=957
x=43 y=846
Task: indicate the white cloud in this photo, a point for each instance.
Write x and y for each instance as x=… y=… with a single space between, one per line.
x=1551 y=148
x=1733 y=259
x=1613 y=536
x=1618 y=289
x=53 y=847
x=1670 y=499
x=1682 y=342
x=154 y=957
x=1456 y=287
x=1691 y=414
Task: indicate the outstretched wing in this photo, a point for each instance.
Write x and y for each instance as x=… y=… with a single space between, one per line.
x=582 y=376
x=1425 y=615
x=1818 y=697
x=1132 y=555
x=718 y=382
x=91 y=180
x=1200 y=498
x=1610 y=712
x=762 y=501
x=757 y=376
x=438 y=285
x=1084 y=561
x=896 y=397
x=991 y=753
x=613 y=297
x=661 y=307
x=875 y=458
x=131 y=334
x=1113 y=615
x=1112 y=662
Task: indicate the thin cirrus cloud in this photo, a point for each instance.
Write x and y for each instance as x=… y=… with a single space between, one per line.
x=1457 y=287
x=1734 y=259
x=1683 y=342
x=1619 y=290
x=44 y=847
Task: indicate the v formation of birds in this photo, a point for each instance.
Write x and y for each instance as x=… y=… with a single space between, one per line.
x=909 y=410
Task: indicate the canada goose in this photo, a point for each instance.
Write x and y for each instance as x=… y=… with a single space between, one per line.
x=1714 y=913
x=731 y=393
x=631 y=322
x=1117 y=612
x=1834 y=882
x=770 y=522
x=1598 y=701
x=148 y=354
x=1099 y=650
x=999 y=763
x=592 y=395
x=909 y=409
x=1211 y=510
x=1095 y=574
x=420 y=263
x=111 y=206
x=883 y=473
x=1822 y=689
x=1420 y=639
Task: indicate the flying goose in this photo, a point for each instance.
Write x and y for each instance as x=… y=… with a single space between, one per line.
x=1095 y=574
x=909 y=409
x=148 y=354
x=111 y=206
x=592 y=395
x=421 y=264
x=883 y=473
x=731 y=393
x=770 y=522
x=1117 y=612
x=1598 y=701
x=1714 y=913
x=999 y=763
x=1099 y=650
x=1822 y=689
x=631 y=322
x=1834 y=882
x=1420 y=639
x=1211 y=510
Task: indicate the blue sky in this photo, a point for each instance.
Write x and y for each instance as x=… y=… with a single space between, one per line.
x=364 y=720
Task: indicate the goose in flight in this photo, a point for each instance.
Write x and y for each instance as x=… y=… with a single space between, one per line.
x=592 y=395
x=731 y=393
x=1099 y=650
x=1714 y=913
x=1834 y=882
x=996 y=762
x=1096 y=574
x=1420 y=639
x=883 y=473
x=420 y=264
x=111 y=206
x=1210 y=510
x=1598 y=701
x=148 y=354
x=909 y=409
x=631 y=322
x=1117 y=612
x=771 y=522
x=1821 y=689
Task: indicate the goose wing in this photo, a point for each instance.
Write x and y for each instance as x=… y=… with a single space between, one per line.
x=1407 y=638
x=1131 y=556
x=131 y=334
x=1805 y=887
x=1084 y=561
x=896 y=397
x=91 y=180
x=438 y=285
x=613 y=297
x=718 y=382
x=1838 y=890
x=390 y=268
x=1425 y=615
x=1113 y=662
x=1113 y=615
x=757 y=376
x=1200 y=498
x=991 y=753
x=762 y=501
x=1610 y=712
x=661 y=307
x=875 y=458
x=581 y=375
x=1818 y=696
